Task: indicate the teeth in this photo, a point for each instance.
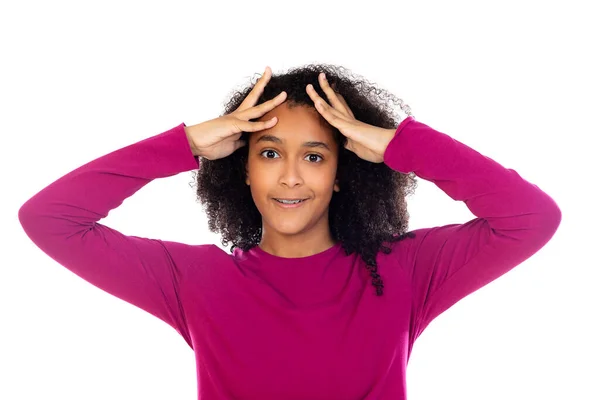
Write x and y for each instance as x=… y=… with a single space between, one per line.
x=289 y=201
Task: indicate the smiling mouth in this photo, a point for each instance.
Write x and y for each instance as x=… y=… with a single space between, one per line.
x=289 y=201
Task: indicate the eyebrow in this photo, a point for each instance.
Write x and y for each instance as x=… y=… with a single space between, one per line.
x=275 y=139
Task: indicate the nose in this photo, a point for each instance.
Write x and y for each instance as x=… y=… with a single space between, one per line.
x=290 y=174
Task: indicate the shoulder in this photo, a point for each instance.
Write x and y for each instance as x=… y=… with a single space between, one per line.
x=404 y=243
x=404 y=248
x=193 y=254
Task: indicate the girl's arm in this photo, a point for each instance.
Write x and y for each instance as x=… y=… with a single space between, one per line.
x=513 y=219
x=62 y=220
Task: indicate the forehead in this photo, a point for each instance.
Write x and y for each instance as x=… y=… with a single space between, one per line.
x=298 y=123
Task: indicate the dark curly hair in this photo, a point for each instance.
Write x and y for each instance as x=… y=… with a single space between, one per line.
x=370 y=208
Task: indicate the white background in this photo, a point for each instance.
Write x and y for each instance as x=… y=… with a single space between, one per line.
x=515 y=80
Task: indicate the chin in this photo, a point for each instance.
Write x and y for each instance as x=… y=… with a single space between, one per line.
x=289 y=228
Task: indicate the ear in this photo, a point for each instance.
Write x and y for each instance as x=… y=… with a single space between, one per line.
x=336 y=186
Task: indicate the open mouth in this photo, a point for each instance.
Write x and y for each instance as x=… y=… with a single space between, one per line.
x=290 y=203
x=286 y=201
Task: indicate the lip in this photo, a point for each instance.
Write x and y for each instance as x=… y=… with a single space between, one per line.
x=290 y=205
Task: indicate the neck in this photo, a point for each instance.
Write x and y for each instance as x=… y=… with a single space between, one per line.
x=299 y=245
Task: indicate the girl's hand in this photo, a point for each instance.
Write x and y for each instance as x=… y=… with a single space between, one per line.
x=219 y=137
x=366 y=141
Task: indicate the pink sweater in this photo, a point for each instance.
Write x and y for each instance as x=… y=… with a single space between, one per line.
x=265 y=327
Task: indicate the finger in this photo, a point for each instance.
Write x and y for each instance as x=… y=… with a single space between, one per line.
x=228 y=148
x=345 y=104
x=353 y=147
x=312 y=93
x=331 y=95
x=248 y=126
x=256 y=91
x=239 y=144
x=321 y=105
x=262 y=109
x=331 y=115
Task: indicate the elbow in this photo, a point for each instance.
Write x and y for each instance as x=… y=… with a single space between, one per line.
x=551 y=220
x=26 y=213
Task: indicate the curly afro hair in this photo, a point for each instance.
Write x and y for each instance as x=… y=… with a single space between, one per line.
x=370 y=208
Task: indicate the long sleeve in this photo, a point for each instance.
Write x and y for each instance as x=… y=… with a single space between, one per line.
x=62 y=221
x=514 y=219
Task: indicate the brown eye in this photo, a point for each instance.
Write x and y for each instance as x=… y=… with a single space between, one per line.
x=313 y=157
x=270 y=152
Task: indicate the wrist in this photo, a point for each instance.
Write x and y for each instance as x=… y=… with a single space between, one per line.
x=387 y=138
x=189 y=132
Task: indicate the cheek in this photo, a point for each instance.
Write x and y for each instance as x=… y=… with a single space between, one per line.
x=322 y=184
x=260 y=179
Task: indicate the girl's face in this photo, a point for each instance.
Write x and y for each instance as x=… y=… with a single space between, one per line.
x=295 y=159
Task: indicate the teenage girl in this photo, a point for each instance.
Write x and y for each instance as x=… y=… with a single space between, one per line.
x=306 y=177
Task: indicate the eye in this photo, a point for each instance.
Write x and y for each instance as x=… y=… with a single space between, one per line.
x=268 y=151
x=315 y=155
x=270 y=154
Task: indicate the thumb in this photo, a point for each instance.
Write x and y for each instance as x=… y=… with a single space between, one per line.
x=239 y=144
